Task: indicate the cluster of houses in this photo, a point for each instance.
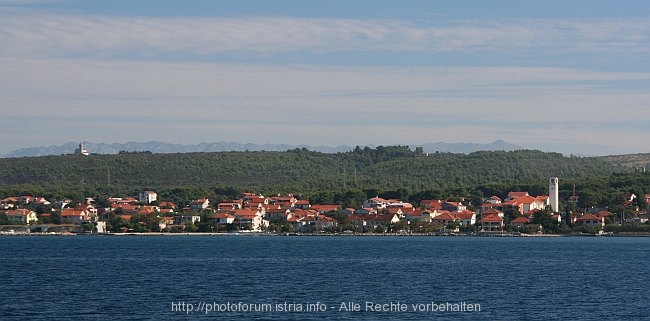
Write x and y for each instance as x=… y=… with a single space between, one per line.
x=255 y=212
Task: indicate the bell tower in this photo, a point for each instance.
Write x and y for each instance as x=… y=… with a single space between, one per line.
x=553 y=187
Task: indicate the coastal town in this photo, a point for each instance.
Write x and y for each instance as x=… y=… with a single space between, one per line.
x=519 y=212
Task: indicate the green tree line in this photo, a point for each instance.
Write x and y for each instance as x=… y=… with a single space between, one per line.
x=345 y=178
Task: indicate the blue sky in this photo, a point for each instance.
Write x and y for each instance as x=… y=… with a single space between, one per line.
x=566 y=76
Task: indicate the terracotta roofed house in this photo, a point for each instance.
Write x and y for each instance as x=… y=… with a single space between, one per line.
x=21 y=216
x=591 y=220
x=519 y=221
x=325 y=208
x=491 y=222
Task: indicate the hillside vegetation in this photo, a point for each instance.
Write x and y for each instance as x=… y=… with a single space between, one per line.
x=634 y=161
x=394 y=171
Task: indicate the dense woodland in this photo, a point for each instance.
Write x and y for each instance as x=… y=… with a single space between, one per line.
x=344 y=178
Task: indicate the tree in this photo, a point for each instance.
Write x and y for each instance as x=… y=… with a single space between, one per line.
x=4 y=219
x=88 y=227
x=510 y=214
x=529 y=229
x=546 y=220
x=56 y=217
x=453 y=225
x=190 y=227
x=102 y=202
x=287 y=228
x=42 y=208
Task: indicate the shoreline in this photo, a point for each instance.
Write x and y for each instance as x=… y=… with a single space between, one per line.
x=257 y=234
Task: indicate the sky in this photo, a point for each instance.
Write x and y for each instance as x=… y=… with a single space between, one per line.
x=562 y=76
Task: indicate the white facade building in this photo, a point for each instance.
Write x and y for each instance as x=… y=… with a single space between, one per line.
x=148 y=197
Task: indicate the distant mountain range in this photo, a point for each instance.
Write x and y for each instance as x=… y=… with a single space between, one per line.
x=161 y=147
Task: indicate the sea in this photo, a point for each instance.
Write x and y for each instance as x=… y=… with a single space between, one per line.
x=245 y=277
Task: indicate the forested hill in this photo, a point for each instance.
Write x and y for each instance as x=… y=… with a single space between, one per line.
x=394 y=168
x=634 y=161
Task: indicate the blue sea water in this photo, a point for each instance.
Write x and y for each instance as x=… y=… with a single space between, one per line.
x=160 y=277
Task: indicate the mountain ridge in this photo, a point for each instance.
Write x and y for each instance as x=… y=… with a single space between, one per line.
x=165 y=148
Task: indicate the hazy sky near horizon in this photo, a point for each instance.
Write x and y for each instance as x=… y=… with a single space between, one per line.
x=565 y=76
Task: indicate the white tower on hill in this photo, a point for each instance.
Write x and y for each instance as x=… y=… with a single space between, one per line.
x=553 y=187
x=81 y=150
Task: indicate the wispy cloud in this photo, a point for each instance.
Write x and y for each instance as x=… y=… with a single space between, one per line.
x=380 y=95
x=162 y=78
x=52 y=33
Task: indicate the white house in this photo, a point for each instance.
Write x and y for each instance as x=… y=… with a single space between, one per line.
x=453 y=206
x=445 y=218
x=381 y=219
x=321 y=222
x=224 y=218
x=428 y=216
x=76 y=216
x=492 y=222
x=255 y=222
x=21 y=216
x=466 y=218
x=8 y=203
x=187 y=219
x=148 y=196
x=375 y=202
x=200 y=204
x=277 y=214
x=228 y=206
x=591 y=220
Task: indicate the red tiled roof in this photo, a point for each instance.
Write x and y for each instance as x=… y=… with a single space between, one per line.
x=413 y=212
x=465 y=215
x=324 y=218
x=491 y=211
x=326 y=207
x=305 y=212
x=167 y=204
x=394 y=210
x=491 y=218
x=18 y=212
x=588 y=217
x=520 y=219
x=243 y=212
x=223 y=215
x=526 y=199
x=381 y=217
x=517 y=194
x=532 y=212
x=445 y=217
x=72 y=212
x=604 y=213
